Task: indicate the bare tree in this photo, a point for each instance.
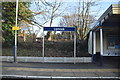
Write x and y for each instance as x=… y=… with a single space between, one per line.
x=81 y=19
x=52 y=11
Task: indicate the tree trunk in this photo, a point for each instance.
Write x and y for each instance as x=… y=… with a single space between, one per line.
x=24 y=36
x=70 y=35
x=50 y=37
x=51 y=20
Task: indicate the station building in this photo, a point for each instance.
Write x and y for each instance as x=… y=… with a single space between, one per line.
x=104 y=37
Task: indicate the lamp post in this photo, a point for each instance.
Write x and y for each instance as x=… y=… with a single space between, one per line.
x=15 y=47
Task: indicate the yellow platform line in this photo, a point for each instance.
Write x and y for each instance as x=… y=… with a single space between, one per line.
x=61 y=70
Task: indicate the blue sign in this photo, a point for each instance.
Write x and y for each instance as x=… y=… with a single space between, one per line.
x=59 y=29
x=117 y=46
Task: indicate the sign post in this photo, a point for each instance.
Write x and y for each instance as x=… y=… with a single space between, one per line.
x=43 y=47
x=61 y=29
x=16 y=28
x=74 y=46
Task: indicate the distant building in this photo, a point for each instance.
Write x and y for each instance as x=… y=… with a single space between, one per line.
x=104 y=37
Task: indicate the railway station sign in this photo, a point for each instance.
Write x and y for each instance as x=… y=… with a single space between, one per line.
x=59 y=29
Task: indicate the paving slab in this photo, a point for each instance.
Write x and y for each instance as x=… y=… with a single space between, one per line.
x=61 y=70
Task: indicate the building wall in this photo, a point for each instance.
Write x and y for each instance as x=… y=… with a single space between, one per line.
x=107 y=50
x=106 y=33
x=111 y=33
x=97 y=41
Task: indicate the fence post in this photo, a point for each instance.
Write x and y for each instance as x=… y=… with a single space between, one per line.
x=43 y=46
x=74 y=46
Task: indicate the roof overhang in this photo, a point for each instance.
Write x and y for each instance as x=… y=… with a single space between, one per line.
x=111 y=17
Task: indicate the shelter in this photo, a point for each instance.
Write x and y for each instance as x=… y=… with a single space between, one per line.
x=104 y=37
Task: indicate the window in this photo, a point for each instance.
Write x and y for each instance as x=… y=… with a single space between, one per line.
x=113 y=42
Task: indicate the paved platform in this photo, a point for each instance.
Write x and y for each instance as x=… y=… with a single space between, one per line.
x=110 y=69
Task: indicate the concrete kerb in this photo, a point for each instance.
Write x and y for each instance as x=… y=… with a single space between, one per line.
x=54 y=77
x=49 y=59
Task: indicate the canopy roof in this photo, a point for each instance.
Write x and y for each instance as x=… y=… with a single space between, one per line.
x=111 y=17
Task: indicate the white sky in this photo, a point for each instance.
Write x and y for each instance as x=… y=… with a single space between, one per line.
x=103 y=5
x=78 y=0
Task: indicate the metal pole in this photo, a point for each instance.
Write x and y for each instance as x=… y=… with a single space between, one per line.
x=74 y=46
x=43 y=45
x=101 y=47
x=15 y=47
